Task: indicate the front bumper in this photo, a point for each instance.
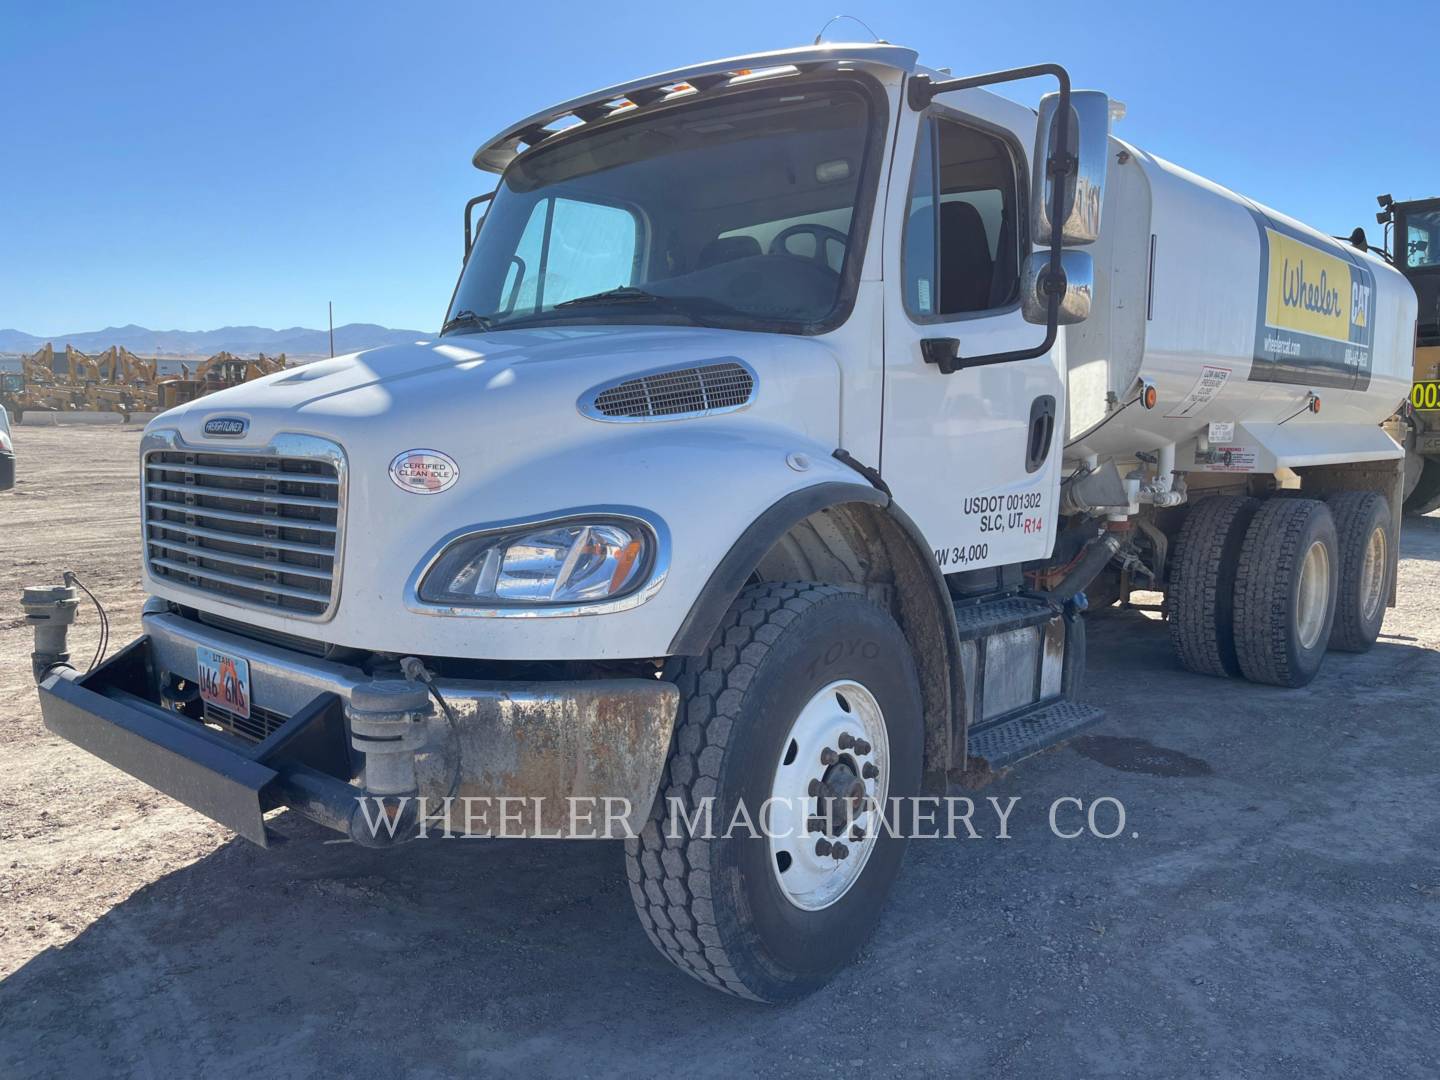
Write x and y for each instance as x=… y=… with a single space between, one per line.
x=572 y=751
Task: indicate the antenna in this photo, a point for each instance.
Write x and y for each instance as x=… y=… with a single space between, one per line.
x=331 y=305
x=820 y=37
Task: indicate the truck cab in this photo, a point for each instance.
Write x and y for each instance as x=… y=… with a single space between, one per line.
x=778 y=425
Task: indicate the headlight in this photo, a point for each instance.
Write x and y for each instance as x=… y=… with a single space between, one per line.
x=569 y=562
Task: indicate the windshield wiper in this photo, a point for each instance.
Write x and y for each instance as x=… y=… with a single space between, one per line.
x=687 y=307
x=620 y=295
x=466 y=318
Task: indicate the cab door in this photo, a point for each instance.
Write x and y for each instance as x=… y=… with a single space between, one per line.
x=972 y=456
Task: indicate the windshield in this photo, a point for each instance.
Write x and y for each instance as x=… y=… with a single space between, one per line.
x=739 y=212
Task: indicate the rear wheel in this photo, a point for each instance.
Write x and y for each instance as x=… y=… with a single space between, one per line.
x=1285 y=588
x=1362 y=527
x=805 y=717
x=1199 y=596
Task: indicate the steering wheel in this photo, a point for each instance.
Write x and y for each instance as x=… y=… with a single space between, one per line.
x=823 y=234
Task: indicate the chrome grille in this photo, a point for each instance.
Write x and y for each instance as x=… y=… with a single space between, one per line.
x=258 y=529
x=676 y=392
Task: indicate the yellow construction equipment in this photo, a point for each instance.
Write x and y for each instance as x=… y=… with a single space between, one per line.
x=119 y=381
x=1416 y=254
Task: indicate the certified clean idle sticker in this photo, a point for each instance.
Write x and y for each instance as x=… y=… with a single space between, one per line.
x=424 y=472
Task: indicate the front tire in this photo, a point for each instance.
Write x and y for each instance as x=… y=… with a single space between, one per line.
x=791 y=664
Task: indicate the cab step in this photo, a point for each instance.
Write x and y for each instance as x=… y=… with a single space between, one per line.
x=1005 y=741
x=979 y=619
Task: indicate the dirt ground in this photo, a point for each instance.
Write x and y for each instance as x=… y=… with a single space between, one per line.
x=1271 y=907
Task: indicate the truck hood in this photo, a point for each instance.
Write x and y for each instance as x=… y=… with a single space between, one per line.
x=503 y=408
x=516 y=384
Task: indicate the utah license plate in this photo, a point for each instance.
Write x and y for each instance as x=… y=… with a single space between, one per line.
x=224 y=680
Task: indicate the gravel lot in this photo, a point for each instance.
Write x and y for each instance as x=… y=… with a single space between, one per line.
x=1272 y=907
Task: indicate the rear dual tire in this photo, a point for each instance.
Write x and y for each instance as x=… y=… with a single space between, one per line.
x=1263 y=589
x=1363 y=526
x=1285 y=590
x=1200 y=596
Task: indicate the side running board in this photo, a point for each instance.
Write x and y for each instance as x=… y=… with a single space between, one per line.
x=1013 y=652
x=1005 y=742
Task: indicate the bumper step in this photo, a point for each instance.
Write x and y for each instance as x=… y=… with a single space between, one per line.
x=1007 y=741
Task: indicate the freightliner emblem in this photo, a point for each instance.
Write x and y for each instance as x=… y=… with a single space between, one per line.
x=226 y=427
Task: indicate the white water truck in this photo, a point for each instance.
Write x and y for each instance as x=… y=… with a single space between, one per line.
x=786 y=412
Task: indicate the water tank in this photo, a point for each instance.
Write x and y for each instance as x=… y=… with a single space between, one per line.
x=1236 y=314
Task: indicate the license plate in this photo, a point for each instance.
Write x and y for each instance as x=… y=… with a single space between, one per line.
x=224 y=680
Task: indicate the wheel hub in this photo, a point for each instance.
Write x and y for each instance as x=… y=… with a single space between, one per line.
x=1372 y=574
x=1312 y=597
x=840 y=797
x=829 y=791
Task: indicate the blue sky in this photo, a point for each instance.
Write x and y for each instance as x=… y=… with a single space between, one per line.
x=194 y=165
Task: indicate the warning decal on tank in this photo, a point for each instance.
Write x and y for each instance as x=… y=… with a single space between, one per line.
x=1211 y=381
x=1316 y=312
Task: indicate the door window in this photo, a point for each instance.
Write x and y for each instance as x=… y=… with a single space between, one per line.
x=962 y=237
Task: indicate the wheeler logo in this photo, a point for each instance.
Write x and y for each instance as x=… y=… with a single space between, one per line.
x=424 y=472
x=1314 y=292
x=226 y=427
x=1316 y=313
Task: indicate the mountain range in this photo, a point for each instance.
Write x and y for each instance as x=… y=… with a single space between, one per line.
x=242 y=340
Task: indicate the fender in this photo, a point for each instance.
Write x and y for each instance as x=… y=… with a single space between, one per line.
x=729 y=577
x=922 y=603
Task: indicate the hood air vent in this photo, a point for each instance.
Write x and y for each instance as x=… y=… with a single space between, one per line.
x=673 y=393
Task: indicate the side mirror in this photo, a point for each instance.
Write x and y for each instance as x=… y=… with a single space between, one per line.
x=1076 y=287
x=472 y=227
x=1087 y=144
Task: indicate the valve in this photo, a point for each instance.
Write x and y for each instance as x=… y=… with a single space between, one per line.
x=387 y=724
x=50 y=610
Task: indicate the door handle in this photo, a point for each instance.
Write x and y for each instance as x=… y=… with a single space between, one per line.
x=1041 y=432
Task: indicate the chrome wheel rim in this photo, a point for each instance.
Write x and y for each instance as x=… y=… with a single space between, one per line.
x=828 y=795
x=1312 y=598
x=1372 y=574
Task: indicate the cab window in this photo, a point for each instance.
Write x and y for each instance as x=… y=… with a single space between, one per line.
x=1420 y=246
x=570 y=248
x=962 y=240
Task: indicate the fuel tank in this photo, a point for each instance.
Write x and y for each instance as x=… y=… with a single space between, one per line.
x=1237 y=315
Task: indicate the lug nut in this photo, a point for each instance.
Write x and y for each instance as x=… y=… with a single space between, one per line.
x=816 y=788
x=822 y=847
x=817 y=824
x=846 y=740
x=828 y=756
x=857 y=833
x=862 y=747
x=838 y=851
x=870 y=771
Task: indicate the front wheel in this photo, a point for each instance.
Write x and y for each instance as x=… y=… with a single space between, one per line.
x=798 y=730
